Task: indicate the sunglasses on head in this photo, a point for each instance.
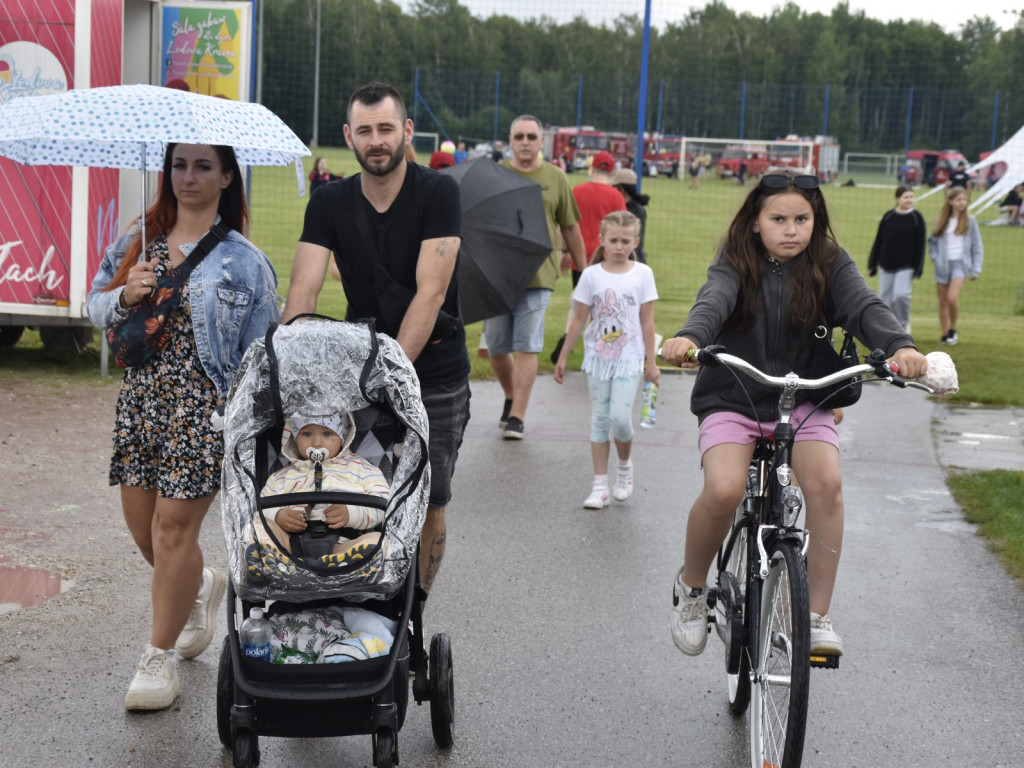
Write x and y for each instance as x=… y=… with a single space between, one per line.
x=781 y=181
x=527 y=136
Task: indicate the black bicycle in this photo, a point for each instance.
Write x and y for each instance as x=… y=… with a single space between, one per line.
x=760 y=607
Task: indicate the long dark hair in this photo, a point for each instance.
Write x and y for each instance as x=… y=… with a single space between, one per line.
x=163 y=214
x=745 y=251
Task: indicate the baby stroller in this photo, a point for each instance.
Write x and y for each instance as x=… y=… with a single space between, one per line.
x=351 y=369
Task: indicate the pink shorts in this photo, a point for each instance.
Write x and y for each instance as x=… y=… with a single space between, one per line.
x=728 y=427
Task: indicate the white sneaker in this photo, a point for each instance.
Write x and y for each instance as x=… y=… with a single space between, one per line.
x=623 y=483
x=202 y=623
x=824 y=639
x=155 y=685
x=598 y=498
x=689 y=617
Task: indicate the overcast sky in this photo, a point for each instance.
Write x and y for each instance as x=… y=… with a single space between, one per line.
x=950 y=14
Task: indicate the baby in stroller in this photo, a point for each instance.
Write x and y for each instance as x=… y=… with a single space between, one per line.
x=318 y=443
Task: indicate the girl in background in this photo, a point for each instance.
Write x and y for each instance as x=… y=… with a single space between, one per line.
x=955 y=249
x=320 y=175
x=618 y=293
x=766 y=294
x=899 y=252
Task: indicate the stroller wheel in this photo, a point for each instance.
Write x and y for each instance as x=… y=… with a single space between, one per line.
x=385 y=748
x=225 y=694
x=246 y=749
x=442 y=691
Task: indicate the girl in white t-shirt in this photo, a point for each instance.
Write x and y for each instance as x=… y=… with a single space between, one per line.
x=955 y=248
x=618 y=293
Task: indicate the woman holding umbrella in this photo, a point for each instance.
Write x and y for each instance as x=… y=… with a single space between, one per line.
x=167 y=453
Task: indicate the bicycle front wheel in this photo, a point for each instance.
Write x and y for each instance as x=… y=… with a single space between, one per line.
x=778 y=712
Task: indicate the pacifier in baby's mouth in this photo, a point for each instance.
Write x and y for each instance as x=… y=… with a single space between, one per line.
x=317 y=454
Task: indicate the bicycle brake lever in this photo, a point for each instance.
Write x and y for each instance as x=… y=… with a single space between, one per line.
x=709 y=355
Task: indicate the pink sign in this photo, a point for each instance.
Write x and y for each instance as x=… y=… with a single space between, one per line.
x=37 y=58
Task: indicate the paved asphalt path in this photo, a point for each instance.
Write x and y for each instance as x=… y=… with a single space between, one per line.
x=558 y=616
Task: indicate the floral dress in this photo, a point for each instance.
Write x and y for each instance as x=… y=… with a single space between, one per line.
x=163 y=437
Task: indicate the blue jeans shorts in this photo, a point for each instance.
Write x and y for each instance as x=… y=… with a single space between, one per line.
x=447 y=410
x=947 y=271
x=523 y=330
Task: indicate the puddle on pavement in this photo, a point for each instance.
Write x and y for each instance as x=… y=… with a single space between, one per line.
x=21 y=587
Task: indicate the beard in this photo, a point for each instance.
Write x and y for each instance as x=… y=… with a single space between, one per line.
x=393 y=160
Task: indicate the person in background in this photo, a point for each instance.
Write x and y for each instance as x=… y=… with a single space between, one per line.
x=898 y=251
x=320 y=175
x=618 y=294
x=956 y=251
x=770 y=287
x=460 y=152
x=167 y=453
x=1011 y=205
x=960 y=178
x=440 y=160
x=514 y=340
x=407 y=219
x=636 y=203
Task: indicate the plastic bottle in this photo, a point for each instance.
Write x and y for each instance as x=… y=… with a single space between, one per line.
x=649 y=411
x=255 y=636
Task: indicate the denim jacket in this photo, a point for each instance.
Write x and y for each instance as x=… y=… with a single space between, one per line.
x=232 y=298
x=972 y=257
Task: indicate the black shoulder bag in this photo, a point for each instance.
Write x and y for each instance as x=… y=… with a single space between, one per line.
x=826 y=360
x=144 y=330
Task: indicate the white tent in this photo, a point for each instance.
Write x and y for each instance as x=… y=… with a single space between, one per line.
x=1011 y=153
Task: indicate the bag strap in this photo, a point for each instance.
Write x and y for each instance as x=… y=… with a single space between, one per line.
x=364 y=229
x=206 y=244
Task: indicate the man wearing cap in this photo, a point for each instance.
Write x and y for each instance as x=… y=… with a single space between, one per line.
x=514 y=340
x=596 y=198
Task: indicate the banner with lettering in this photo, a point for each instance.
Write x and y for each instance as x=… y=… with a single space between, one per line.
x=205 y=48
x=36 y=58
x=38 y=260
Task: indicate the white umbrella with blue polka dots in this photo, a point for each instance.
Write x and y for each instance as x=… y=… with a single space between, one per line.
x=128 y=126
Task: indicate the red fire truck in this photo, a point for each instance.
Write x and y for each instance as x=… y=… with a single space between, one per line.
x=573 y=146
x=753 y=157
x=661 y=155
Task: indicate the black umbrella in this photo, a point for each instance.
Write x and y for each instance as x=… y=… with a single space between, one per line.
x=505 y=237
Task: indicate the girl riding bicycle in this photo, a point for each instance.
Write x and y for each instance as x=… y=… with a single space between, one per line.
x=778 y=278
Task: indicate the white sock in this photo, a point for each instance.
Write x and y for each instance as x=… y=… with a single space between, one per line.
x=600 y=481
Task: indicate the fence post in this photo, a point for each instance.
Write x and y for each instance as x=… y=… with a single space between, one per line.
x=641 y=107
x=315 y=141
x=743 y=108
x=497 y=92
x=416 y=97
x=995 y=121
x=910 y=113
x=824 y=122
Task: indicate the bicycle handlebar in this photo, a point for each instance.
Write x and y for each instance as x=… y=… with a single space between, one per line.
x=874 y=363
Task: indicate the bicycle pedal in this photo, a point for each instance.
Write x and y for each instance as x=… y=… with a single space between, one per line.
x=825 y=661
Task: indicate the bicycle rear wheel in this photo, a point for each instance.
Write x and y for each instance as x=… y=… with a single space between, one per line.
x=778 y=713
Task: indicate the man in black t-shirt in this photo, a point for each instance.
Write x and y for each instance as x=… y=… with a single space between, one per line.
x=960 y=177
x=395 y=231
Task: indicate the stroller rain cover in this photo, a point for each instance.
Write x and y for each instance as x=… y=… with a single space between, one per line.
x=349 y=368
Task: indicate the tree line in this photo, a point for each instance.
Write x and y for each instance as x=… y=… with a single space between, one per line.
x=714 y=73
